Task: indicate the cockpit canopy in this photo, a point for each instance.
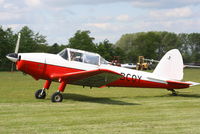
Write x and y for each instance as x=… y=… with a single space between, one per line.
x=82 y=56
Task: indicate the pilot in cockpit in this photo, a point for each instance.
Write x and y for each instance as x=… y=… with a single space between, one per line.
x=73 y=56
x=76 y=56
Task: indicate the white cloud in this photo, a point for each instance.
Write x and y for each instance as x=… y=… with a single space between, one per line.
x=164 y=3
x=102 y=26
x=135 y=3
x=124 y=17
x=9 y=6
x=148 y=4
x=33 y=3
x=106 y=27
x=62 y=3
x=178 y=26
x=5 y=16
x=59 y=20
x=172 y=13
x=1 y=1
x=179 y=12
x=15 y=27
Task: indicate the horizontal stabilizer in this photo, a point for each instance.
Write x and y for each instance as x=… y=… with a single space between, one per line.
x=191 y=66
x=178 y=84
x=193 y=83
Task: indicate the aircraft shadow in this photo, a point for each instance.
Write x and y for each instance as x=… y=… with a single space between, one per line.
x=182 y=95
x=101 y=100
x=190 y=95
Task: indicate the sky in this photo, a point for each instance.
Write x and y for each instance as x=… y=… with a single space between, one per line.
x=58 y=20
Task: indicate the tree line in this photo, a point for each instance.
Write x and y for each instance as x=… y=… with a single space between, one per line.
x=152 y=45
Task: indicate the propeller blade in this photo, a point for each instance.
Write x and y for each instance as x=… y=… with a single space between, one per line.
x=17 y=44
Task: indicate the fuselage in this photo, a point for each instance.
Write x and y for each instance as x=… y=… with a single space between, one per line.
x=43 y=65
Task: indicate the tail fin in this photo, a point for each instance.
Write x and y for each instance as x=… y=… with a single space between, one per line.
x=170 y=66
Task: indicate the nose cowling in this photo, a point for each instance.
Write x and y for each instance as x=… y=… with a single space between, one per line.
x=12 y=57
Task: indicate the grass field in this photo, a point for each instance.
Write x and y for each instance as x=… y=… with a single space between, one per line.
x=97 y=111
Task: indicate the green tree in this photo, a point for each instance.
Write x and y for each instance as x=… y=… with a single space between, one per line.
x=127 y=43
x=106 y=50
x=168 y=41
x=7 y=43
x=149 y=44
x=83 y=41
x=31 y=42
x=136 y=44
x=185 y=51
x=122 y=55
x=56 y=48
x=194 y=45
x=190 y=47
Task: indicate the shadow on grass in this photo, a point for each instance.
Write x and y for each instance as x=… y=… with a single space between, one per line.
x=181 y=95
x=101 y=100
x=189 y=95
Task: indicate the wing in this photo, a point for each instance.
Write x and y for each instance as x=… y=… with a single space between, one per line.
x=92 y=78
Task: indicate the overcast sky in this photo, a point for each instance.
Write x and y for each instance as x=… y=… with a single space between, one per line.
x=106 y=19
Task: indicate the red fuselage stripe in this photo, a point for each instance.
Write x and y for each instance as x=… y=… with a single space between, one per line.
x=44 y=71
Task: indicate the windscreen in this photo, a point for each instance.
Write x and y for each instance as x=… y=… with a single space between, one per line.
x=103 y=61
x=64 y=54
x=91 y=59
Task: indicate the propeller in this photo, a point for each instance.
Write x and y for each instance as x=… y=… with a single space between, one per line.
x=14 y=56
x=17 y=44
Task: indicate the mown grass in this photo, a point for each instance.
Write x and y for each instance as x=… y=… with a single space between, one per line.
x=97 y=111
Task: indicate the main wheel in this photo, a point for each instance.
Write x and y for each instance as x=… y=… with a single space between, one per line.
x=57 y=97
x=174 y=94
x=40 y=94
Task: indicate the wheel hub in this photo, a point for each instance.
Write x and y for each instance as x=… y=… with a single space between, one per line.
x=57 y=98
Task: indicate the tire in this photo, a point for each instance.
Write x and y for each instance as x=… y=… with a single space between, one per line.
x=174 y=94
x=38 y=94
x=56 y=97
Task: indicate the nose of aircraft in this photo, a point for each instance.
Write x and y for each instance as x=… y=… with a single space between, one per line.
x=12 y=57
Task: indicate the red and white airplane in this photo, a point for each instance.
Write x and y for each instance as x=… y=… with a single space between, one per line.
x=72 y=66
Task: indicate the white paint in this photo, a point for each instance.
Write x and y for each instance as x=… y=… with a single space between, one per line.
x=170 y=66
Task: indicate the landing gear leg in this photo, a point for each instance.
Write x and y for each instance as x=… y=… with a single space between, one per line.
x=174 y=93
x=57 y=96
x=41 y=93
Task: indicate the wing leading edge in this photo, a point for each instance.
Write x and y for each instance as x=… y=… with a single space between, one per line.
x=92 y=78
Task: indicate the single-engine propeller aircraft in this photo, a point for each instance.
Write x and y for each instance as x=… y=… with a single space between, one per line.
x=72 y=66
